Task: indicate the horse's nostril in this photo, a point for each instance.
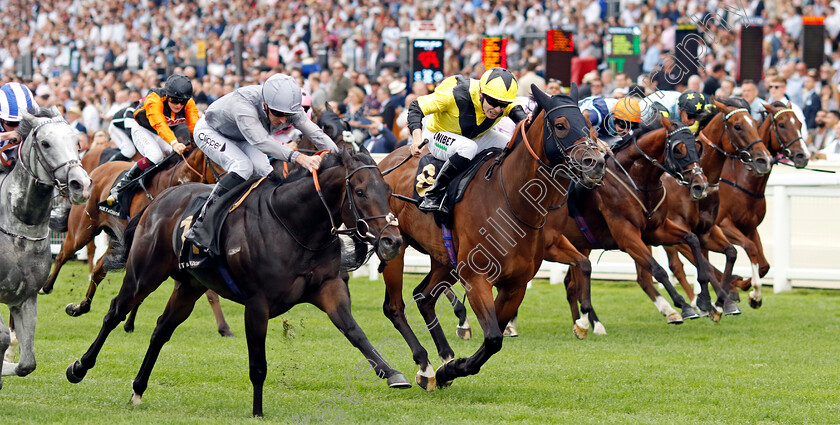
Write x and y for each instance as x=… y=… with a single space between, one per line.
x=75 y=185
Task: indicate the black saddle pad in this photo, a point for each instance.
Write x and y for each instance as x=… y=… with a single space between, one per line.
x=122 y=208
x=191 y=257
x=108 y=154
x=574 y=200
x=429 y=167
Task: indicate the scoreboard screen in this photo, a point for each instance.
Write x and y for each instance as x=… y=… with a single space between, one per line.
x=813 y=33
x=494 y=51
x=427 y=61
x=751 y=54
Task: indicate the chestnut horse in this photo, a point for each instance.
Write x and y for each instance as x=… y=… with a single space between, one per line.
x=733 y=134
x=504 y=207
x=281 y=249
x=742 y=203
x=86 y=221
x=626 y=213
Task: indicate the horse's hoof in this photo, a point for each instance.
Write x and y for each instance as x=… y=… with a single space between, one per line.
x=225 y=332
x=735 y=296
x=599 y=329
x=73 y=310
x=754 y=303
x=427 y=383
x=73 y=375
x=674 y=319
x=689 y=313
x=136 y=399
x=731 y=309
x=129 y=328
x=715 y=315
x=510 y=331
x=580 y=333
x=398 y=380
x=46 y=289
x=442 y=383
x=464 y=333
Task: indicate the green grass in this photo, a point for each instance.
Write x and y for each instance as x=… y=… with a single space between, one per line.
x=776 y=365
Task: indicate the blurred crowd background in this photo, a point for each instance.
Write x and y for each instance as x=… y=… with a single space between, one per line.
x=93 y=57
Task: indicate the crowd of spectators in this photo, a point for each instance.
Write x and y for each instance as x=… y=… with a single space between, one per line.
x=92 y=57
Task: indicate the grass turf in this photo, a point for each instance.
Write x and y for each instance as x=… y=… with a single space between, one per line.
x=775 y=365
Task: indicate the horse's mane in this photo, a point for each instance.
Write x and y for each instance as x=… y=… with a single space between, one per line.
x=27 y=125
x=779 y=104
x=330 y=160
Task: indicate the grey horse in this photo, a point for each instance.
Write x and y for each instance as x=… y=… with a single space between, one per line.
x=47 y=160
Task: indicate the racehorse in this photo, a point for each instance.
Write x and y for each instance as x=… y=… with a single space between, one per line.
x=504 y=207
x=281 y=249
x=47 y=160
x=86 y=221
x=732 y=134
x=626 y=213
x=742 y=203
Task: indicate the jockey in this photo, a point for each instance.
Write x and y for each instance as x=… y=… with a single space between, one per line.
x=287 y=132
x=14 y=99
x=463 y=112
x=237 y=132
x=120 y=131
x=599 y=109
x=688 y=106
x=626 y=118
x=152 y=134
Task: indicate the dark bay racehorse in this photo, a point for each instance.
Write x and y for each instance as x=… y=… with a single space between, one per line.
x=281 y=249
x=86 y=221
x=626 y=213
x=732 y=133
x=742 y=203
x=496 y=233
x=47 y=160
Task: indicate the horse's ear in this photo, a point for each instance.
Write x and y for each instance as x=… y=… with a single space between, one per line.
x=540 y=96
x=346 y=156
x=769 y=108
x=723 y=108
x=666 y=123
x=586 y=115
x=363 y=149
x=573 y=92
x=55 y=112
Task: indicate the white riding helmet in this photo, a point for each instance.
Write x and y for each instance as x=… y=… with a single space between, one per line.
x=282 y=93
x=15 y=98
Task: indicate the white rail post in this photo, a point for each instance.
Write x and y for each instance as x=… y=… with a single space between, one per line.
x=373 y=267
x=557 y=273
x=781 y=236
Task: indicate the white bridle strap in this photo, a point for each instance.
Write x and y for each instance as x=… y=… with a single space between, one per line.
x=735 y=112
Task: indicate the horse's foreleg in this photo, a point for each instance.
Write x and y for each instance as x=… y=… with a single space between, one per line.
x=716 y=241
x=426 y=294
x=96 y=277
x=140 y=280
x=578 y=286
x=463 y=330
x=256 y=326
x=221 y=323
x=91 y=255
x=24 y=316
x=394 y=310
x=752 y=245
x=676 y=266
x=481 y=300
x=334 y=299
x=5 y=341
x=179 y=307
x=630 y=241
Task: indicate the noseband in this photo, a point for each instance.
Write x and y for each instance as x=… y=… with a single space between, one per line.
x=35 y=146
x=784 y=148
x=744 y=154
x=678 y=174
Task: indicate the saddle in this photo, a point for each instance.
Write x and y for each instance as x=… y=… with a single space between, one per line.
x=123 y=206
x=429 y=167
x=108 y=154
x=191 y=257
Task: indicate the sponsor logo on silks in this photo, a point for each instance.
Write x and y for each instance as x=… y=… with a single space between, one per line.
x=443 y=139
x=210 y=143
x=170 y=122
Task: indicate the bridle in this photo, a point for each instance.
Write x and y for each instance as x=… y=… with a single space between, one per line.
x=679 y=175
x=744 y=154
x=783 y=148
x=30 y=144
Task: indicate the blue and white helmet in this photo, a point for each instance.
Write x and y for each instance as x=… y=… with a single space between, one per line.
x=15 y=98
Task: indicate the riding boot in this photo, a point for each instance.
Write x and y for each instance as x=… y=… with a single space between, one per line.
x=59 y=214
x=433 y=200
x=199 y=235
x=127 y=178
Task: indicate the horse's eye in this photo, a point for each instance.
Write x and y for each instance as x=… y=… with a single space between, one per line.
x=360 y=193
x=782 y=125
x=738 y=127
x=45 y=144
x=561 y=126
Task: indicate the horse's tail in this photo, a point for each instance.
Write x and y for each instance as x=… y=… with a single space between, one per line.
x=120 y=247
